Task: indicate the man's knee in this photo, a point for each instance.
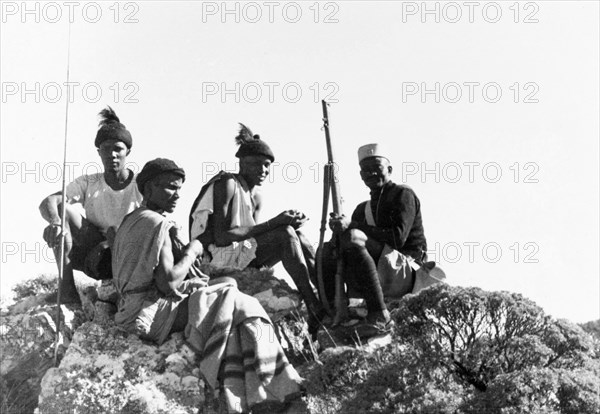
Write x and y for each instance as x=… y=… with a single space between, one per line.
x=287 y=236
x=304 y=241
x=353 y=238
x=278 y=239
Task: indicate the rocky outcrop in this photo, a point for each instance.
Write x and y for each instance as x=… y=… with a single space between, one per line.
x=28 y=333
x=108 y=370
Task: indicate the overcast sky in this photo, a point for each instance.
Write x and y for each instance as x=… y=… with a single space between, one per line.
x=489 y=111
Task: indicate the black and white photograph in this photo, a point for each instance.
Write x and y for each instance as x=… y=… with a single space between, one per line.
x=300 y=207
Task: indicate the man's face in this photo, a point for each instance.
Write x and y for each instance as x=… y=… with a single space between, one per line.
x=163 y=192
x=113 y=154
x=375 y=172
x=255 y=168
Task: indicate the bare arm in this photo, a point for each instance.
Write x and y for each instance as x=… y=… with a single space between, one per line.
x=224 y=234
x=49 y=208
x=257 y=207
x=170 y=275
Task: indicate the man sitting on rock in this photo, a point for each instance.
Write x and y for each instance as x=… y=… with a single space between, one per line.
x=381 y=243
x=230 y=330
x=106 y=197
x=225 y=218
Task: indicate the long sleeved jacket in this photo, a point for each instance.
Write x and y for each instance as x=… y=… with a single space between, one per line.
x=397 y=213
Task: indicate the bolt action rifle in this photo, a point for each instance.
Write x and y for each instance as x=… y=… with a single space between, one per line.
x=331 y=186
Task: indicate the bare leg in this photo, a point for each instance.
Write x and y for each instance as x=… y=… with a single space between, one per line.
x=283 y=244
x=80 y=237
x=73 y=224
x=310 y=256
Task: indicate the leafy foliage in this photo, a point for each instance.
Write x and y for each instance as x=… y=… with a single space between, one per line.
x=38 y=286
x=593 y=328
x=465 y=351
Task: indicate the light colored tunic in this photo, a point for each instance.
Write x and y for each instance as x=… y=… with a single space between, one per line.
x=143 y=309
x=238 y=254
x=104 y=207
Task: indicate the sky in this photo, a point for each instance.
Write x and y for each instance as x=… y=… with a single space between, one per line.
x=488 y=110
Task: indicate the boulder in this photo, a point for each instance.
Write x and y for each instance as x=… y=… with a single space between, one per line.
x=27 y=339
x=274 y=294
x=108 y=370
x=32 y=329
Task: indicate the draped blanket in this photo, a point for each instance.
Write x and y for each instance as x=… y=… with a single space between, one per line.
x=238 y=346
x=143 y=310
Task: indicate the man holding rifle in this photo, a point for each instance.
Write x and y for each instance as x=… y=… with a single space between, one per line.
x=381 y=244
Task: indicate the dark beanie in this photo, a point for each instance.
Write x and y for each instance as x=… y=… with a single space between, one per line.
x=155 y=168
x=251 y=144
x=111 y=128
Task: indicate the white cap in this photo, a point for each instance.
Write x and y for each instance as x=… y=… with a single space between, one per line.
x=370 y=150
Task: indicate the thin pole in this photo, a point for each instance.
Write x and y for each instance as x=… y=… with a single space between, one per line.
x=63 y=210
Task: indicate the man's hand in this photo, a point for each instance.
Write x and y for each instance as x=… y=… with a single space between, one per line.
x=196 y=283
x=52 y=234
x=338 y=224
x=292 y=218
x=174 y=231
x=299 y=220
x=194 y=249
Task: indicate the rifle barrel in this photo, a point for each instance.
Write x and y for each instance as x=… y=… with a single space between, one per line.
x=335 y=184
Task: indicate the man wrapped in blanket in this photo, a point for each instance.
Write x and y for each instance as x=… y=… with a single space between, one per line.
x=230 y=330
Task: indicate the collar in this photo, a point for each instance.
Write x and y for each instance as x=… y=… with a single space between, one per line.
x=377 y=193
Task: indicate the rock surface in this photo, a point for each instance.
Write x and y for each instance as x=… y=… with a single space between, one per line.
x=30 y=327
x=27 y=334
x=109 y=371
x=106 y=370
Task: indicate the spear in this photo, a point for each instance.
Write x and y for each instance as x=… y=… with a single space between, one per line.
x=63 y=209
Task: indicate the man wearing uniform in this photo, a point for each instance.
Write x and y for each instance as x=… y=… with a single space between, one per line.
x=383 y=240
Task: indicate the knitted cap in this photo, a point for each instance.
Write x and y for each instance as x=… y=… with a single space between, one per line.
x=156 y=167
x=112 y=129
x=251 y=144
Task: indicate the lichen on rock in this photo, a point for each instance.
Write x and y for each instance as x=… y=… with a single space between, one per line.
x=108 y=370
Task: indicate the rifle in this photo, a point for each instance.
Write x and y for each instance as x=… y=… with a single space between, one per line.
x=331 y=186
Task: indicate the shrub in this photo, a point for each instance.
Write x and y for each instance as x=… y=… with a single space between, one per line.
x=465 y=351
x=40 y=285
